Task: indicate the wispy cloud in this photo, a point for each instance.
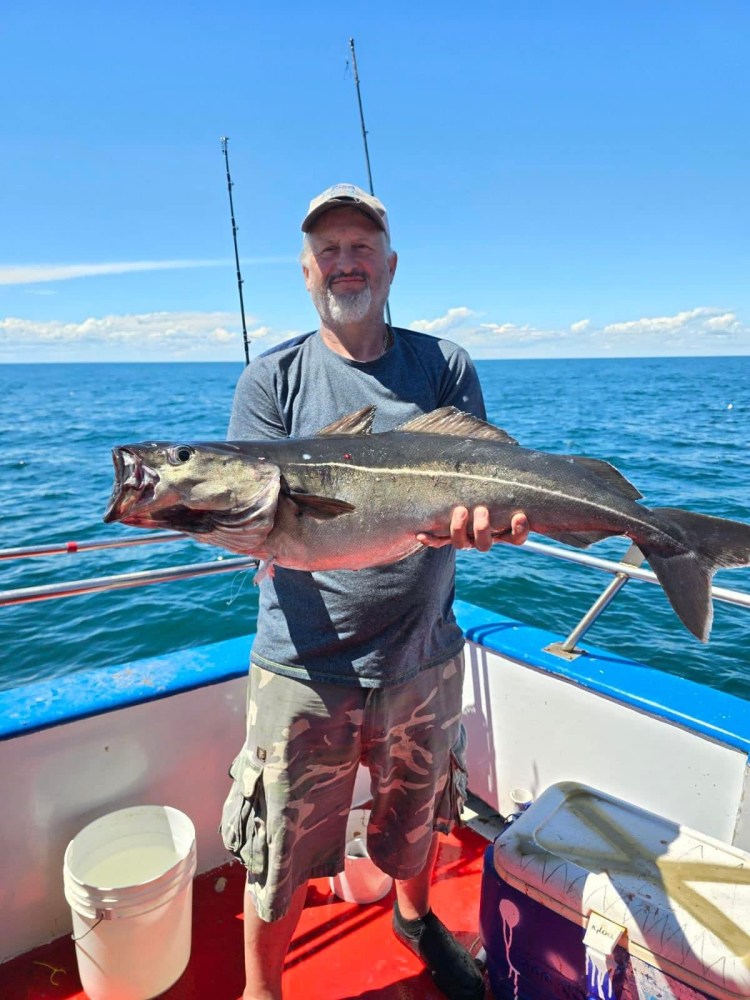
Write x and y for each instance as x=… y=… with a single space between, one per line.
x=31 y=274
x=702 y=330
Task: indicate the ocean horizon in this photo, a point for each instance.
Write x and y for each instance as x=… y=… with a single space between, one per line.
x=240 y=361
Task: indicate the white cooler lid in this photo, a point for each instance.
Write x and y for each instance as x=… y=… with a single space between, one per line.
x=682 y=896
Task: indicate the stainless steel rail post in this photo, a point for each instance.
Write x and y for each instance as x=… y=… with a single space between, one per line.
x=567 y=649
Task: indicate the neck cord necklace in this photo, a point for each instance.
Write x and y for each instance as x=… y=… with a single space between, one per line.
x=387 y=341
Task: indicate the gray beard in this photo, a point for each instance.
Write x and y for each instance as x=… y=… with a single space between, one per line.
x=343 y=309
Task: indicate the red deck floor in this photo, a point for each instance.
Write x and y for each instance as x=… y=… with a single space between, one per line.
x=340 y=950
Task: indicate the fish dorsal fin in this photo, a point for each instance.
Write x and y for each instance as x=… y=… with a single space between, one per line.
x=448 y=420
x=606 y=472
x=359 y=422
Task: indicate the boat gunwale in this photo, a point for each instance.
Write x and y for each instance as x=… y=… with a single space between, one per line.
x=718 y=715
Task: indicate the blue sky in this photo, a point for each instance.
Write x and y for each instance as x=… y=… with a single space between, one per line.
x=563 y=179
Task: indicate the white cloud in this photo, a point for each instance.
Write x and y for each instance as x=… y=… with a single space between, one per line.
x=443 y=324
x=701 y=318
x=149 y=326
x=30 y=274
x=157 y=336
x=218 y=336
x=702 y=330
x=510 y=333
x=481 y=338
x=726 y=323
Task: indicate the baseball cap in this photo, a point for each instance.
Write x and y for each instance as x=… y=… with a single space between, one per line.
x=341 y=195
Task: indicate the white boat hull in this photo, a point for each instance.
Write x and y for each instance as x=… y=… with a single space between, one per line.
x=164 y=731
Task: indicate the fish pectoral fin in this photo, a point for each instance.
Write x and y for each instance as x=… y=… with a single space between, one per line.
x=580 y=539
x=608 y=473
x=454 y=423
x=359 y=422
x=321 y=507
x=265 y=569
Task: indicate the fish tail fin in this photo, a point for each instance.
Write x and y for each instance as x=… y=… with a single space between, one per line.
x=687 y=584
x=711 y=543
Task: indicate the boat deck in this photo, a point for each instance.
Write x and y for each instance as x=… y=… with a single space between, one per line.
x=340 y=950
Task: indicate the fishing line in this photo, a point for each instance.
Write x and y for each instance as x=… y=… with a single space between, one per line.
x=234 y=595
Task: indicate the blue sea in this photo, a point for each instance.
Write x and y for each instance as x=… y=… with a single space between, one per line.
x=678 y=428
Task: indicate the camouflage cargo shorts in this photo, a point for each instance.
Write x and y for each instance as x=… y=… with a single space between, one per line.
x=292 y=782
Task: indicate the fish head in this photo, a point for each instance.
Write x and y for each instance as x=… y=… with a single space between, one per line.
x=211 y=491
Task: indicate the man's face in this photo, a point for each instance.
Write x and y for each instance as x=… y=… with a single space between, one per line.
x=348 y=272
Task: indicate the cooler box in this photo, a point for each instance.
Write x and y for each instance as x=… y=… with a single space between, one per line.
x=585 y=896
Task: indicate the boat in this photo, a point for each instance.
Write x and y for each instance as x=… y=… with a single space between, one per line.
x=580 y=761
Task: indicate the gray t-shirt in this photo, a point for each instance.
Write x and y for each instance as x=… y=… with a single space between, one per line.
x=372 y=627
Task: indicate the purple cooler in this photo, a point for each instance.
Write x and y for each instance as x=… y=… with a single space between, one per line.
x=585 y=896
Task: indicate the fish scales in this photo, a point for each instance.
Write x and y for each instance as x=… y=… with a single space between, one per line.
x=350 y=499
x=502 y=477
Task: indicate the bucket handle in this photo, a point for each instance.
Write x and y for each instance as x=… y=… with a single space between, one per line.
x=74 y=938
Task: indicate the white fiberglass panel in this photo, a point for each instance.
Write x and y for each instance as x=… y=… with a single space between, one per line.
x=528 y=728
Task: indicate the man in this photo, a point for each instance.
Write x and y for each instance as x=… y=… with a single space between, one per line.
x=353 y=666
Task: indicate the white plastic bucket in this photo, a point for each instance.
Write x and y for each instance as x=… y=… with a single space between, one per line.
x=128 y=880
x=361 y=880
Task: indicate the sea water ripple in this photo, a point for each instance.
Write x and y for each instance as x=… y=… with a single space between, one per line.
x=678 y=428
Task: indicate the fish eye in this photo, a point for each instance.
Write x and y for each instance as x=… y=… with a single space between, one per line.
x=180 y=454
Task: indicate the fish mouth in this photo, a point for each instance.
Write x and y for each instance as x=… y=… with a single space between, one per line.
x=134 y=485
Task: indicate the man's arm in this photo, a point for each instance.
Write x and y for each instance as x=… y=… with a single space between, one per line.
x=255 y=413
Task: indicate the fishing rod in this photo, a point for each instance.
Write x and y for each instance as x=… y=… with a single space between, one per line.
x=224 y=142
x=364 y=140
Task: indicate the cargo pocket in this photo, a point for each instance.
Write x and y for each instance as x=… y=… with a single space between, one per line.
x=450 y=803
x=458 y=787
x=243 y=818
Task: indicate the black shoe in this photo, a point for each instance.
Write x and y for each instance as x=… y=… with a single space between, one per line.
x=455 y=972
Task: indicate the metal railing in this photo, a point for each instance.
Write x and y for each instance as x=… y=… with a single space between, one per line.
x=117 y=581
x=70 y=548
x=628 y=569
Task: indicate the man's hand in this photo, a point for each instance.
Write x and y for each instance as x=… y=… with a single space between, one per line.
x=481 y=534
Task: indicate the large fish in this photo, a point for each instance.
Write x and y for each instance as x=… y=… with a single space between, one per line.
x=348 y=499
